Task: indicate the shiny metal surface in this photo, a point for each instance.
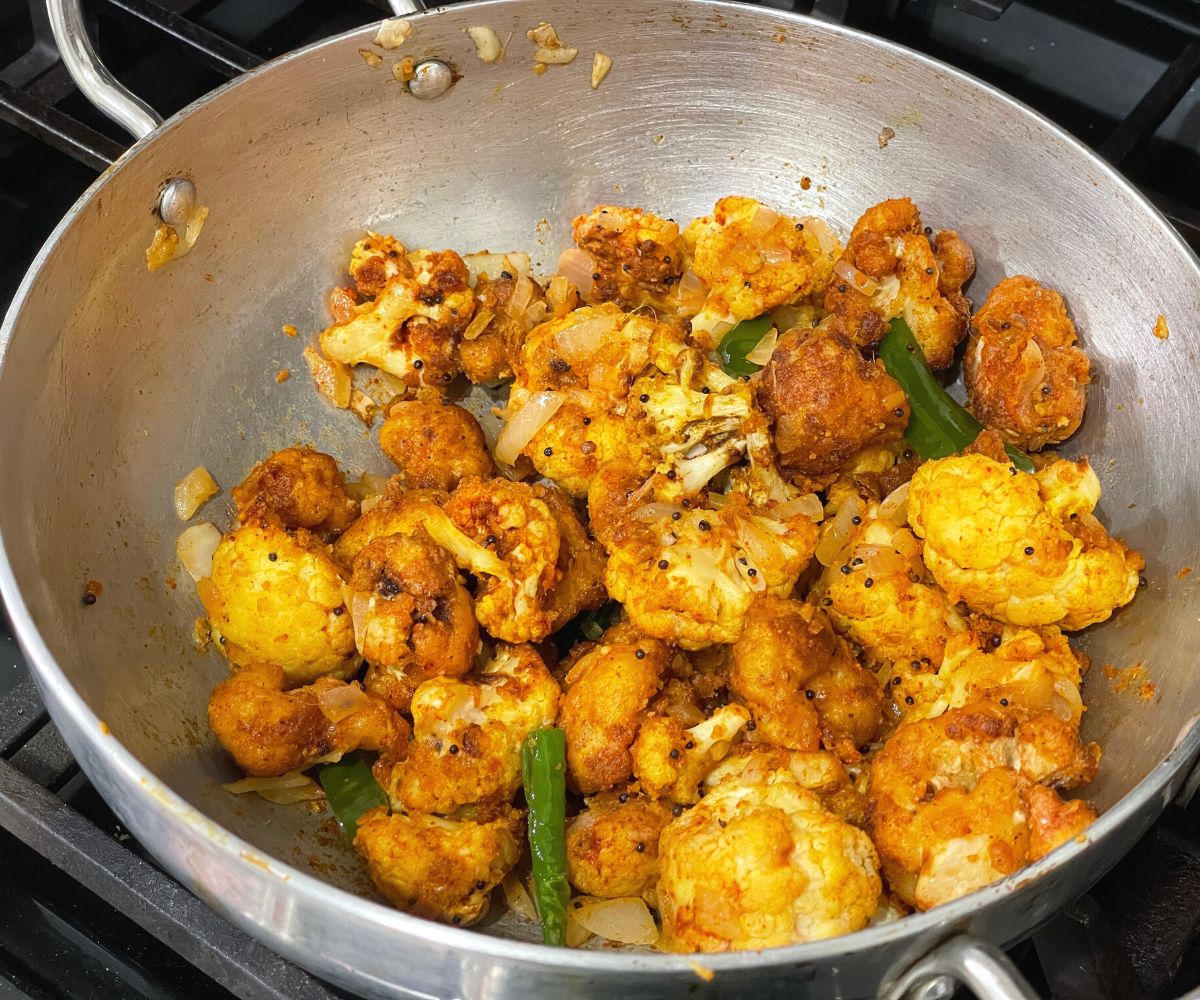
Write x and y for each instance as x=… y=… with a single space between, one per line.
x=177 y=201
x=120 y=381
x=402 y=8
x=962 y=959
x=91 y=76
x=431 y=78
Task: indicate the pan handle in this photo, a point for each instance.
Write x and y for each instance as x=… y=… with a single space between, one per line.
x=91 y=76
x=963 y=960
x=402 y=7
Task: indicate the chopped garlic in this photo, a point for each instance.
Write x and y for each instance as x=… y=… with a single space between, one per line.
x=372 y=59
x=601 y=64
x=393 y=33
x=550 y=51
x=487 y=43
x=555 y=57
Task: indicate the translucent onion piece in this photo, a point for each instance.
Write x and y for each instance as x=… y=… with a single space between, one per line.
x=879 y=560
x=691 y=291
x=479 y=323
x=341 y=701
x=826 y=240
x=857 y=279
x=1033 y=365
x=360 y=611
x=837 y=532
x=763 y=350
x=656 y=511
x=192 y=491
x=577 y=934
x=332 y=378
x=626 y=919
x=764 y=219
x=809 y=505
x=525 y=423
x=577 y=266
x=369 y=485
x=894 y=508
x=310 y=792
x=521 y=297
x=561 y=295
x=517 y=897
x=195 y=547
x=580 y=341
x=495 y=264
x=293 y=779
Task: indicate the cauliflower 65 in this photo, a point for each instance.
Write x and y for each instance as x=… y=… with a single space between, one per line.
x=760 y=864
x=305 y=488
x=1023 y=549
x=670 y=760
x=612 y=845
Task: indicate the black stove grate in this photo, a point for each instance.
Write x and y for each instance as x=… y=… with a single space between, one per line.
x=101 y=919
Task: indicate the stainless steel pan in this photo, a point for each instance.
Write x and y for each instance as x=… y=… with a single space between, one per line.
x=115 y=381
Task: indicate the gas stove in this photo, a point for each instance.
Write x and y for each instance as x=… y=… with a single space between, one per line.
x=86 y=912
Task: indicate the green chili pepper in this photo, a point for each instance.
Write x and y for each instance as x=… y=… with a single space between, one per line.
x=544 y=771
x=938 y=426
x=739 y=342
x=351 y=790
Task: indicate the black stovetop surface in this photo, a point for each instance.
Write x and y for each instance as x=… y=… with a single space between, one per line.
x=1119 y=74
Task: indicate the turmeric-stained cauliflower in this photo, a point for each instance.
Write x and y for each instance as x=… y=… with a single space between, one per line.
x=688 y=575
x=1024 y=549
x=434 y=444
x=954 y=799
x=411 y=328
x=269 y=731
x=607 y=691
x=761 y=864
x=467 y=734
x=396 y=511
x=671 y=760
x=826 y=401
x=305 y=488
x=819 y=771
x=877 y=590
x=627 y=256
x=1026 y=377
x=438 y=868
x=892 y=268
x=275 y=597
x=800 y=681
x=374 y=260
x=754 y=259
x=612 y=845
x=413 y=618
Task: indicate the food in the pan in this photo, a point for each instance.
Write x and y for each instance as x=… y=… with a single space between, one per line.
x=741 y=632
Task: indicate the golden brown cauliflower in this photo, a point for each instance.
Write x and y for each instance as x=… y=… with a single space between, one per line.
x=952 y=797
x=1023 y=549
x=275 y=596
x=891 y=267
x=396 y=511
x=607 y=691
x=374 y=260
x=434 y=444
x=581 y=561
x=612 y=845
x=754 y=259
x=304 y=487
x=800 y=681
x=1025 y=375
x=877 y=590
x=761 y=864
x=826 y=401
x=269 y=731
x=688 y=575
x=670 y=760
x=411 y=329
x=438 y=868
x=819 y=771
x=505 y=304
x=467 y=734
x=636 y=258
x=413 y=618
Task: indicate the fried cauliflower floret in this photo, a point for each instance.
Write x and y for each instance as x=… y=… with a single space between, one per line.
x=752 y=260
x=951 y=798
x=1024 y=549
x=467 y=734
x=411 y=328
x=1033 y=669
x=413 y=618
x=581 y=562
x=505 y=305
x=607 y=691
x=396 y=511
x=305 y=488
x=761 y=865
x=434 y=444
x=437 y=868
x=612 y=846
x=901 y=614
x=587 y=361
x=690 y=579
x=670 y=761
x=826 y=401
x=275 y=597
x=818 y=771
x=374 y=260
x=1025 y=374
x=636 y=257
x=269 y=731
x=910 y=274
x=800 y=681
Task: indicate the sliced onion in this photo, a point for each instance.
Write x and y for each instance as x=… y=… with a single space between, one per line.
x=764 y=219
x=691 y=292
x=861 y=281
x=192 y=491
x=577 y=934
x=826 y=240
x=521 y=297
x=837 y=533
x=775 y=255
x=370 y=503
x=360 y=611
x=763 y=350
x=717 y=500
x=195 y=547
x=479 y=323
x=525 y=423
x=626 y=919
x=561 y=295
x=656 y=511
x=809 y=505
x=880 y=560
x=577 y=266
x=886 y=294
x=369 y=485
x=582 y=339
x=494 y=264
x=517 y=897
x=1033 y=365
x=283 y=790
x=332 y=378
x=341 y=701
x=894 y=509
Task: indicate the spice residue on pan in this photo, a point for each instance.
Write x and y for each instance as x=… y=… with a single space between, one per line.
x=1134 y=678
x=91 y=592
x=1184 y=573
x=885 y=136
x=1160 y=327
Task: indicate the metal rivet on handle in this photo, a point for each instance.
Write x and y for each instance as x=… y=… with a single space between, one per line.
x=431 y=78
x=177 y=202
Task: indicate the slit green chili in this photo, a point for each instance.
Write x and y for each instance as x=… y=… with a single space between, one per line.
x=938 y=425
x=739 y=342
x=350 y=789
x=544 y=773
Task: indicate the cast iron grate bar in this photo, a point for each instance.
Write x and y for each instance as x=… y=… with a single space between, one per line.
x=210 y=48
x=1160 y=100
x=21 y=715
x=47 y=123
